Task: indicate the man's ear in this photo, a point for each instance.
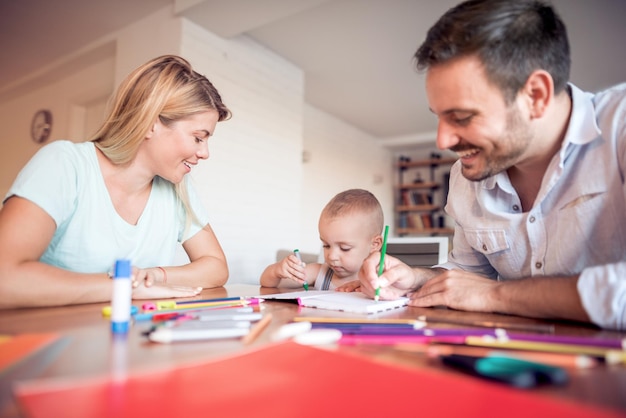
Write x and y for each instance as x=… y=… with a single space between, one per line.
x=538 y=93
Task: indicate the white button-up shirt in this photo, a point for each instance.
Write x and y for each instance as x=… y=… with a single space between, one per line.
x=577 y=224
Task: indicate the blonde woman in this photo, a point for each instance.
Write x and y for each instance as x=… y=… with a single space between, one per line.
x=75 y=208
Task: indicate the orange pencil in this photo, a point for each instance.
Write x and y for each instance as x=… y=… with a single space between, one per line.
x=554 y=359
x=257 y=329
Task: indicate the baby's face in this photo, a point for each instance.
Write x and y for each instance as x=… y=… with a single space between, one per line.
x=347 y=241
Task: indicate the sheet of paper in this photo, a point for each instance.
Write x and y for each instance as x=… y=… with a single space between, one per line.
x=353 y=302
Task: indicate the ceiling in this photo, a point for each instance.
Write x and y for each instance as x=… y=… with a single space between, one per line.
x=356 y=54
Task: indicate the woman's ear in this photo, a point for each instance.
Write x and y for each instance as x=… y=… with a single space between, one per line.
x=152 y=129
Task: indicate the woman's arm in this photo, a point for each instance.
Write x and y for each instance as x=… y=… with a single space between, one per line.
x=25 y=232
x=207 y=267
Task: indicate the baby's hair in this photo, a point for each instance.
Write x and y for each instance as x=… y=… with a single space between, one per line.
x=355 y=201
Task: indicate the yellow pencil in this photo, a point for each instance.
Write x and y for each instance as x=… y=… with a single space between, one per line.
x=171 y=304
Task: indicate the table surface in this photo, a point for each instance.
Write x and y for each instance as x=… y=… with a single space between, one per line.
x=84 y=349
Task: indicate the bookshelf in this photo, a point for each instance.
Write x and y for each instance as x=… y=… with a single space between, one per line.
x=421 y=194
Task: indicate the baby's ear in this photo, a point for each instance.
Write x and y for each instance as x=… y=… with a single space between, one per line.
x=377 y=243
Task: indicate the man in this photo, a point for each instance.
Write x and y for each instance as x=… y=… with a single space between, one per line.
x=538 y=195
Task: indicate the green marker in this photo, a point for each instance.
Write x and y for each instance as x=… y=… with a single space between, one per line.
x=297 y=254
x=381 y=264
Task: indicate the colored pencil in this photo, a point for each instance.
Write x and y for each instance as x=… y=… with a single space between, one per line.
x=616 y=343
x=346 y=325
x=173 y=313
x=537 y=346
x=399 y=339
x=544 y=328
x=257 y=329
x=169 y=305
x=577 y=361
x=415 y=323
x=399 y=329
x=186 y=302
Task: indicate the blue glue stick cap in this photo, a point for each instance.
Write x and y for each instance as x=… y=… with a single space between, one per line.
x=122 y=268
x=120 y=327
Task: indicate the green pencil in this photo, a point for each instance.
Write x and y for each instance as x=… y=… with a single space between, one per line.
x=381 y=264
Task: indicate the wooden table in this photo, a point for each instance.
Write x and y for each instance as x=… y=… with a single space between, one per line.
x=84 y=348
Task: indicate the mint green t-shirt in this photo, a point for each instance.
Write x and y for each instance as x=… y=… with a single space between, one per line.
x=64 y=179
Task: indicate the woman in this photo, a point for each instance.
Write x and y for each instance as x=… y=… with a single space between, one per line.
x=76 y=208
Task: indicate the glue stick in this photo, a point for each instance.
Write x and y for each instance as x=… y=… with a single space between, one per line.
x=121 y=299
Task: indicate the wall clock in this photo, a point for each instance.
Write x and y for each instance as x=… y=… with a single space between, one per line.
x=41 y=126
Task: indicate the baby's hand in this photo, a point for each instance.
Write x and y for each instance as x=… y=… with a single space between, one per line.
x=353 y=286
x=292 y=269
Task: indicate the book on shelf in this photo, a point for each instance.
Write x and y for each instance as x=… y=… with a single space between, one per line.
x=416 y=221
x=427 y=220
x=420 y=198
x=405 y=198
x=415 y=198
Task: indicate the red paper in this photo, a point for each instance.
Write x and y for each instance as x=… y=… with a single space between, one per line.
x=15 y=349
x=290 y=380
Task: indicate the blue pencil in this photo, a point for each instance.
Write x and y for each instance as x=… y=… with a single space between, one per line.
x=210 y=300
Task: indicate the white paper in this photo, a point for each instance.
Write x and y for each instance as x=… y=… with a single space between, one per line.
x=354 y=302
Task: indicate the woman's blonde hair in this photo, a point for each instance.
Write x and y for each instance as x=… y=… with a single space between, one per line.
x=165 y=87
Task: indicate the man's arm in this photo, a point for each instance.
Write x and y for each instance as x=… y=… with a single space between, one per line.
x=539 y=297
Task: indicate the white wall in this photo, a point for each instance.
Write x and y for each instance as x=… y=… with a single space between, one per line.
x=340 y=157
x=252 y=181
x=61 y=96
x=260 y=195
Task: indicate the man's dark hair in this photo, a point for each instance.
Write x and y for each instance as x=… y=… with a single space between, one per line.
x=512 y=38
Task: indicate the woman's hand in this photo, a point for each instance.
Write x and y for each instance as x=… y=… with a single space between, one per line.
x=163 y=291
x=149 y=276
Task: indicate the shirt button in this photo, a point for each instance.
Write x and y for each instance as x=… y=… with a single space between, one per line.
x=515 y=208
x=538 y=264
x=484 y=247
x=531 y=219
